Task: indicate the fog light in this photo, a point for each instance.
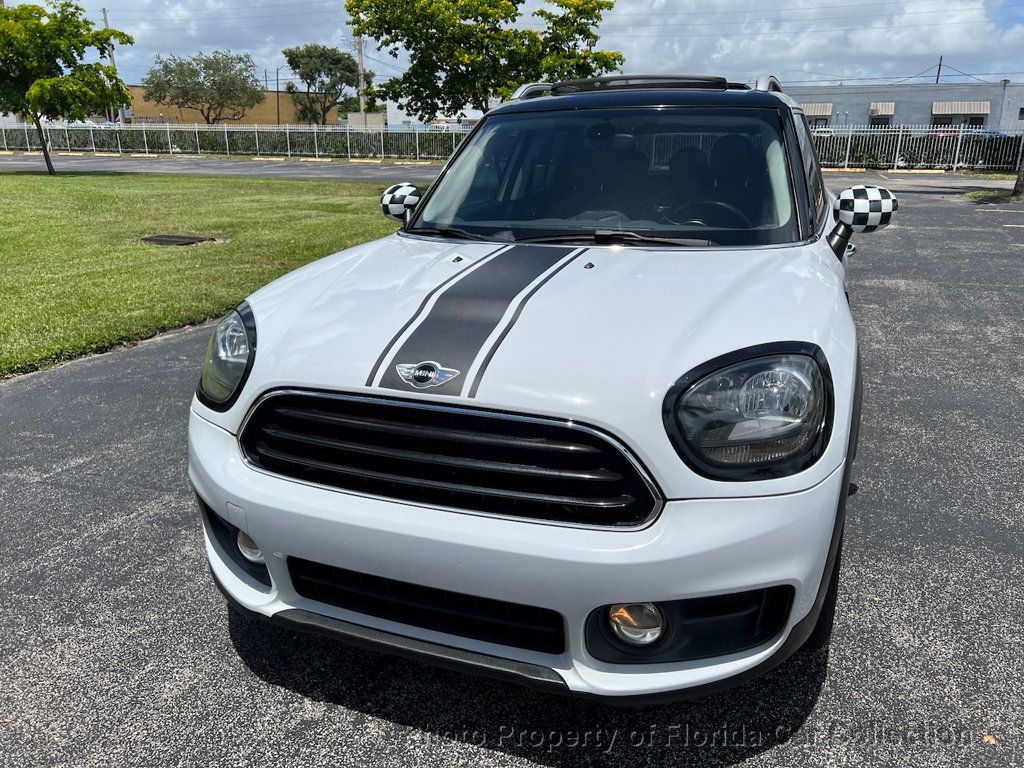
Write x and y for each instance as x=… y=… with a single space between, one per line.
x=636 y=623
x=249 y=549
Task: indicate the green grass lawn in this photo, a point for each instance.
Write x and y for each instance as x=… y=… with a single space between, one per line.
x=994 y=196
x=75 y=278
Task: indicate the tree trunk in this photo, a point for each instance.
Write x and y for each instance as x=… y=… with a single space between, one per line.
x=46 y=149
x=1018 y=188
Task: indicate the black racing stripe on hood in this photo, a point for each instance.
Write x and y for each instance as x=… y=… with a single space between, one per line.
x=419 y=310
x=504 y=332
x=464 y=316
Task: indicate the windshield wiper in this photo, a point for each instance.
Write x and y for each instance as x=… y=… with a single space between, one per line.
x=616 y=237
x=455 y=232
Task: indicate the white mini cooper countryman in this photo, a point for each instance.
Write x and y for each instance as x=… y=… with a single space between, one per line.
x=585 y=421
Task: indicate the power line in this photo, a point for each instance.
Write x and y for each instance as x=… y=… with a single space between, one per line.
x=922 y=72
x=765 y=33
x=612 y=13
x=334 y=14
x=965 y=74
x=762 y=9
x=791 y=20
x=776 y=33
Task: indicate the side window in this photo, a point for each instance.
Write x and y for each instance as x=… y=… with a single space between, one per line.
x=815 y=186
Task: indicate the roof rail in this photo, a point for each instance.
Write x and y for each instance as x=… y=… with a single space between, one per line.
x=641 y=81
x=530 y=91
x=768 y=83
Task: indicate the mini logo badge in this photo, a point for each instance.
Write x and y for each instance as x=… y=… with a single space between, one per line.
x=425 y=374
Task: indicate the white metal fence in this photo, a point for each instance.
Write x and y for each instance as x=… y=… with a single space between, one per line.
x=919 y=146
x=248 y=140
x=947 y=147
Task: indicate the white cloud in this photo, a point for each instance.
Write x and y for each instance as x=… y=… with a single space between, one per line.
x=798 y=40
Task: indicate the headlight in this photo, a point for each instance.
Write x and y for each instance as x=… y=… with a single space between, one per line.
x=229 y=357
x=759 y=413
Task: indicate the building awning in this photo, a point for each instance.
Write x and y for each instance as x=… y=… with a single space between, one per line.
x=882 y=108
x=961 y=107
x=818 y=109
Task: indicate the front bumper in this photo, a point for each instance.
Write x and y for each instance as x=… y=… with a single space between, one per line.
x=695 y=548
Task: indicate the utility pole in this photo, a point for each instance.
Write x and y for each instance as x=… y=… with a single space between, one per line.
x=110 y=53
x=362 y=79
x=277 y=92
x=938 y=73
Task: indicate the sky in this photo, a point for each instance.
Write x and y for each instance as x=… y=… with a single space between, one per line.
x=800 y=41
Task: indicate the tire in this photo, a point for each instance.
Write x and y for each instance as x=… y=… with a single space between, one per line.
x=821 y=637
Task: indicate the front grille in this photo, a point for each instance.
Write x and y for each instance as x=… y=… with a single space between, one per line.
x=449 y=457
x=479 y=618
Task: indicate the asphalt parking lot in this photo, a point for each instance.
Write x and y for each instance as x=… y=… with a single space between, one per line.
x=116 y=648
x=208 y=165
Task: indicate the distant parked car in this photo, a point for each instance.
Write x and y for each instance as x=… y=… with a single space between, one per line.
x=954 y=132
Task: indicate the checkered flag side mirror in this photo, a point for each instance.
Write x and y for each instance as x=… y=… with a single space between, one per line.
x=862 y=208
x=865 y=208
x=399 y=198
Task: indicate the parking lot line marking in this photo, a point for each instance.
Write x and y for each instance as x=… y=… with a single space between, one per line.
x=1001 y=210
x=1013 y=225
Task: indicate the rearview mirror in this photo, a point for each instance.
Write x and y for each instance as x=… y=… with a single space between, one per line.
x=400 y=199
x=861 y=208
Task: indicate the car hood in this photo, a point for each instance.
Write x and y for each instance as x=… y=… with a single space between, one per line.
x=597 y=334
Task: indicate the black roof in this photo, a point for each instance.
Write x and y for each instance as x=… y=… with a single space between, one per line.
x=644 y=97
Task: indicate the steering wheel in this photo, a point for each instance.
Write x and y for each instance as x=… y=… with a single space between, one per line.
x=697 y=211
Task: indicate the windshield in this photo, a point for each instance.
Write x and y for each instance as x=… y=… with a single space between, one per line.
x=690 y=175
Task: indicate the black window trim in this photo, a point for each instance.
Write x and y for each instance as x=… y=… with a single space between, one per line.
x=818 y=218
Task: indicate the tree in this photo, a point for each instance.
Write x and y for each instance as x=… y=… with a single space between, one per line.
x=325 y=72
x=42 y=74
x=219 y=86
x=561 y=57
x=465 y=52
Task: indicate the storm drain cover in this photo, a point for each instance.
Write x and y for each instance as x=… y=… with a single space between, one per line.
x=176 y=239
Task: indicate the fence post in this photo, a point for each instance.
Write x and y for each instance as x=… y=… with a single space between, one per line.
x=145 y=140
x=959 y=141
x=453 y=142
x=92 y=140
x=28 y=147
x=288 y=140
x=316 y=143
x=417 y=135
x=849 y=144
x=170 y=151
x=227 y=146
x=381 y=143
x=199 y=149
x=256 y=133
x=348 y=142
x=118 y=134
x=67 y=138
x=3 y=132
x=899 y=143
